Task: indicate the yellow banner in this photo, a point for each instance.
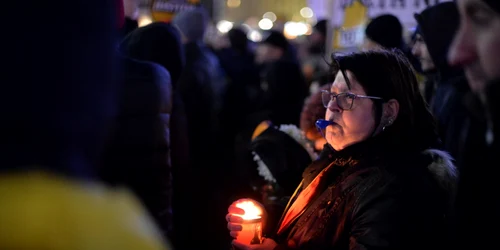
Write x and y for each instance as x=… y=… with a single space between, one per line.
x=353 y=27
x=165 y=10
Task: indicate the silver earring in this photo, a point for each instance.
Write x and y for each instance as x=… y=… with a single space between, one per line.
x=389 y=122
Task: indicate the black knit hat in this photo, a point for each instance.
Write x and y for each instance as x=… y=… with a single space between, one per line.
x=321 y=26
x=494 y=4
x=385 y=30
x=276 y=39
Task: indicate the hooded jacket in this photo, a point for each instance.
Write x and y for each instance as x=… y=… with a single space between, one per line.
x=456 y=124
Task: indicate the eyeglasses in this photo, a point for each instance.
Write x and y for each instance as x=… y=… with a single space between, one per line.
x=345 y=100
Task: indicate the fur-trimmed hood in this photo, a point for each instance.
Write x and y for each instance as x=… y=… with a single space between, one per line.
x=443 y=169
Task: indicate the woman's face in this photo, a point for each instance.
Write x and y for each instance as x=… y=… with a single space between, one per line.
x=351 y=126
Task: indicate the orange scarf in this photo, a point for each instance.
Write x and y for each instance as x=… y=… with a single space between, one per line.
x=301 y=202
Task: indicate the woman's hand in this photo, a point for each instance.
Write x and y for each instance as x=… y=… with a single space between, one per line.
x=267 y=244
x=234 y=221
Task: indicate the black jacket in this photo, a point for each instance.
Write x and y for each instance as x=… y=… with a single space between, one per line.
x=477 y=203
x=374 y=197
x=137 y=155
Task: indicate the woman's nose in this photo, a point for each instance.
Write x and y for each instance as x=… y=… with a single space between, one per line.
x=333 y=105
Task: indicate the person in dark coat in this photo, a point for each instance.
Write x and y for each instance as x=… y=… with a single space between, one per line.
x=379 y=183
x=137 y=155
x=281 y=71
x=160 y=43
x=459 y=127
x=476 y=48
x=203 y=88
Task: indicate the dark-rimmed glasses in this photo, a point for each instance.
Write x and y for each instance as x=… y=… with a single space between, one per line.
x=345 y=100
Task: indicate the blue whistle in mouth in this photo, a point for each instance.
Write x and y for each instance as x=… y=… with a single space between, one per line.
x=321 y=124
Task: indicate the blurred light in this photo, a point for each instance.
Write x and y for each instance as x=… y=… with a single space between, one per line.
x=144 y=20
x=271 y=16
x=224 y=26
x=301 y=28
x=255 y=36
x=312 y=21
x=295 y=29
x=246 y=27
x=306 y=12
x=253 y=22
x=233 y=3
x=289 y=36
x=265 y=24
x=309 y=29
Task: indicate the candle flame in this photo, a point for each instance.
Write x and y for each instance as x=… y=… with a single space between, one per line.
x=252 y=211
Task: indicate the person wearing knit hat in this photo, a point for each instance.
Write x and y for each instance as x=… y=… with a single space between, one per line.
x=318 y=37
x=384 y=31
x=476 y=48
x=280 y=70
x=273 y=47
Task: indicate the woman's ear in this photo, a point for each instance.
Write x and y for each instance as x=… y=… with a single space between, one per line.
x=391 y=111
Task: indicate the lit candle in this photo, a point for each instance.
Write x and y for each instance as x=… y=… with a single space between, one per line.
x=251 y=232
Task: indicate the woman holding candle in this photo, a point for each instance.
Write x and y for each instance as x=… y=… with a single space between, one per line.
x=378 y=183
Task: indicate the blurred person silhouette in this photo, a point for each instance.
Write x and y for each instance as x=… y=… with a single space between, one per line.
x=59 y=113
x=200 y=60
x=243 y=99
x=160 y=43
x=427 y=76
x=386 y=32
x=131 y=12
x=476 y=47
x=138 y=153
x=282 y=80
x=314 y=66
x=314 y=110
x=244 y=94
x=203 y=88
x=459 y=127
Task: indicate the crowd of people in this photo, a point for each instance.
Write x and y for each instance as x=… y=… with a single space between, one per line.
x=124 y=137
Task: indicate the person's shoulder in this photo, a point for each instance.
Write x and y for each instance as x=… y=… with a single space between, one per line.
x=431 y=170
x=144 y=69
x=46 y=211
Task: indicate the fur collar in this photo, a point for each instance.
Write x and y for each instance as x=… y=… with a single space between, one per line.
x=443 y=169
